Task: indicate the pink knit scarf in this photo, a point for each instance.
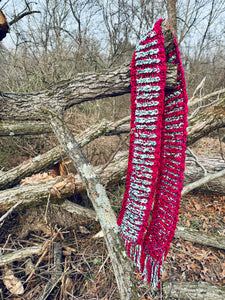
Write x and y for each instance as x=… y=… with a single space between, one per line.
x=157 y=156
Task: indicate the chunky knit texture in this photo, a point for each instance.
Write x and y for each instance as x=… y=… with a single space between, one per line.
x=156 y=157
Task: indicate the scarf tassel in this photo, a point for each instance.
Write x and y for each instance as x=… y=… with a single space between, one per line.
x=149 y=268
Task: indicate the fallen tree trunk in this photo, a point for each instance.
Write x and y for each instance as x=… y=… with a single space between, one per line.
x=52 y=157
x=205 y=122
x=194 y=172
x=55 y=189
x=198 y=127
x=68 y=93
x=193 y=290
x=114 y=172
x=19 y=129
x=200 y=237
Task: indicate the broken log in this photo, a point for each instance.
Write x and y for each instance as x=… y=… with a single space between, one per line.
x=199 y=126
x=24 y=128
x=193 y=290
x=200 y=237
x=122 y=265
x=57 y=188
x=52 y=157
x=212 y=165
x=114 y=172
x=20 y=254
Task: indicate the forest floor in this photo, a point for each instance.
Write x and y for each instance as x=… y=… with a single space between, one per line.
x=86 y=270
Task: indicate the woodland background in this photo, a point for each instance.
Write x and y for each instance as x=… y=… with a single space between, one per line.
x=49 y=43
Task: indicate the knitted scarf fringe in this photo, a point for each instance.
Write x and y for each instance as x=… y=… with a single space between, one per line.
x=156 y=156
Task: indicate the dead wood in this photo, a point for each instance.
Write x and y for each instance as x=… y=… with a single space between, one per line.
x=195 y=172
x=115 y=171
x=24 y=128
x=199 y=126
x=193 y=290
x=200 y=237
x=53 y=156
x=56 y=273
x=20 y=254
x=57 y=188
x=203 y=99
x=96 y=192
x=66 y=94
x=187 y=234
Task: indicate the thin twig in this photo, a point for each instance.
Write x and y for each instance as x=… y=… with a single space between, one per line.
x=185 y=252
x=203 y=180
x=221 y=146
x=122 y=142
x=46 y=247
x=197 y=161
x=9 y=212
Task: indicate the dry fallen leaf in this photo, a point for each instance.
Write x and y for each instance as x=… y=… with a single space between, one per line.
x=12 y=283
x=164 y=275
x=84 y=230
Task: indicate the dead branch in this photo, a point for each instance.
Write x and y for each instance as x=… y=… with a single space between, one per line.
x=199 y=126
x=52 y=157
x=193 y=290
x=121 y=264
x=57 y=188
x=56 y=273
x=19 y=129
x=187 y=234
x=202 y=181
x=203 y=99
x=200 y=237
x=20 y=254
x=22 y=15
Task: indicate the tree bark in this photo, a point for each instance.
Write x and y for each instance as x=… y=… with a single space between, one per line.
x=193 y=290
x=121 y=263
x=20 y=254
x=200 y=237
x=199 y=126
x=57 y=188
x=24 y=129
x=79 y=89
x=205 y=122
x=171 y=7
x=194 y=172
x=112 y=174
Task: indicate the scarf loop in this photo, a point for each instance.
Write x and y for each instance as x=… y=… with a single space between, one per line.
x=156 y=156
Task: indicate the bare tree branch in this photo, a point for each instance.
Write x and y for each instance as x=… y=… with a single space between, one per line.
x=22 y=15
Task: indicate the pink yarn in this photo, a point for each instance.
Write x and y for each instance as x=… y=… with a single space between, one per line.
x=156 y=157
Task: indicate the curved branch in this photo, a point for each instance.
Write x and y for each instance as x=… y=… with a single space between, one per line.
x=20 y=16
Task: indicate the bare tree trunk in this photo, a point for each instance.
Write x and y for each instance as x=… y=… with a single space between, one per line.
x=121 y=264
